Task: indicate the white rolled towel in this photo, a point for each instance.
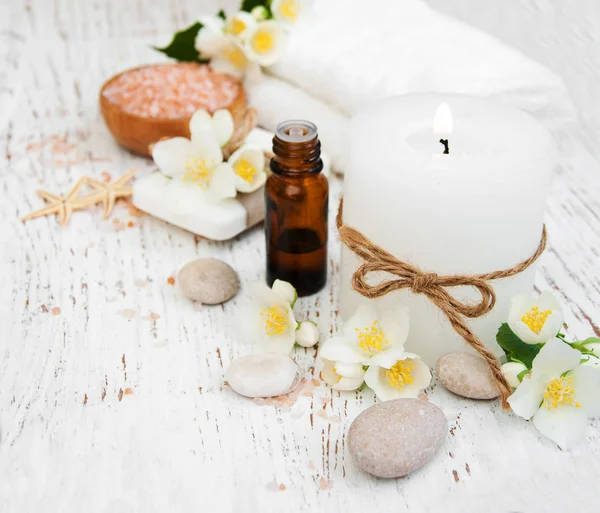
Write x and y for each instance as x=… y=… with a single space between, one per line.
x=346 y=53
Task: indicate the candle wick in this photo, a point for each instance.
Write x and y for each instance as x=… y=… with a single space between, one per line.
x=446 y=146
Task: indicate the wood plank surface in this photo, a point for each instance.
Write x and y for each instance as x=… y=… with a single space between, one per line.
x=111 y=383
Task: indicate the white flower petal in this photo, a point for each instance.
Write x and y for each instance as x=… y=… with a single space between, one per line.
x=520 y=305
x=265 y=296
x=287 y=11
x=547 y=301
x=283 y=343
x=253 y=156
x=587 y=389
x=328 y=372
x=386 y=358
x=526 y=399
x=232 y=59
x=221 y=185
x=377 y=381
x=364 y=317
x=285 y=290
x=395 y=325
x=554 y=359
x=264 y=44
x=552 y=325
x=171 y=155
x=240 y=23
x=338 y=349
x=210 y=39
x=348 y=384
x=565 y=425
x=421 y=374
x=222 y=126
x=200 y=124
x=350 y=370
x=207 y=147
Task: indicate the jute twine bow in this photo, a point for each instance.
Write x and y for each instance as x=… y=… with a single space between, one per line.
x=435 y=288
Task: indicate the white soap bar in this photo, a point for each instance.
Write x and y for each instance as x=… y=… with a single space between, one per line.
x=182 y=204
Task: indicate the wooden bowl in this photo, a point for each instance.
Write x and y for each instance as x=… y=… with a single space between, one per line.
x=136 y=126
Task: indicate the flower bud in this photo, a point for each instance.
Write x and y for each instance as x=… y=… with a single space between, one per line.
x=590 y=360
x=594 y=347
x=511 y=372
x=260 y=13
x=285 y=290
x=307 y=334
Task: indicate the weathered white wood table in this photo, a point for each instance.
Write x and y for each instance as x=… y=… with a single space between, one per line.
x=111 y=383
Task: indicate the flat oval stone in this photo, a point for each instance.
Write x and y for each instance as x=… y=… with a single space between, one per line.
x=208 y=281
x=262 y=375
x=393 y=438
x=467 y=375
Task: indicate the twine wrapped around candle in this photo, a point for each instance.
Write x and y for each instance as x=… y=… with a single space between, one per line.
x=435 y=288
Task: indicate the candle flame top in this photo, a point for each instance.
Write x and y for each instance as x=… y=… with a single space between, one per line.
x=442 y=123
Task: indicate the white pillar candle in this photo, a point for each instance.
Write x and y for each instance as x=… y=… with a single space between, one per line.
x=478 y=209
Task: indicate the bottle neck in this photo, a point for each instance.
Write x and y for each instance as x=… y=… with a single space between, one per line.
x=297 y=148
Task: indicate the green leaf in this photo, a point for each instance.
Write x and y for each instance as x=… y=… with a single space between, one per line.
x=515 y=348
x=182 y=47
x=248 y=5
x=221 y=14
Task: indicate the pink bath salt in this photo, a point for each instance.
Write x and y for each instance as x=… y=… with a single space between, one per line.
x=172 y=90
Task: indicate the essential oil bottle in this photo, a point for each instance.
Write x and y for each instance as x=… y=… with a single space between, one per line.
x=297 y=197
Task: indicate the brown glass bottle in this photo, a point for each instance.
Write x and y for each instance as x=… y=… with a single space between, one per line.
x=297 y=197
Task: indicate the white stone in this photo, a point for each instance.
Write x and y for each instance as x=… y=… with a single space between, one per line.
x=262 y=375
x=208 y=280
x=393 y=438
x=467 y=375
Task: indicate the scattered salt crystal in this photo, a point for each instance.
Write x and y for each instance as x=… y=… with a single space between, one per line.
x=128 y=313
x=140 y=283
x=325 y=484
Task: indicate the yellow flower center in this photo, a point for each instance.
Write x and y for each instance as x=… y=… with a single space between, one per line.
x=560 y=391
x=196 y=171
x=371 y=340
x=290 y=9
x=262 y=42
x=236 y=57
x=535 y=319
x=275 y=319
x=237 y=26
x=245 y=170
x=400 y=374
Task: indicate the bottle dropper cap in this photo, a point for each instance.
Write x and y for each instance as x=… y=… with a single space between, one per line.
x=296 y=131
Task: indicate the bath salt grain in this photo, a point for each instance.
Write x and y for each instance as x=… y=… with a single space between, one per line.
x=172 y=91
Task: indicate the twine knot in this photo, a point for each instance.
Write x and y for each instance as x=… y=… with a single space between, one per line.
x=435 y=287
x=424 y=282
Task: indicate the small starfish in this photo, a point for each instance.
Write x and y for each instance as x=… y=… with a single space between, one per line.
x=64 y=206
x=109 y=192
